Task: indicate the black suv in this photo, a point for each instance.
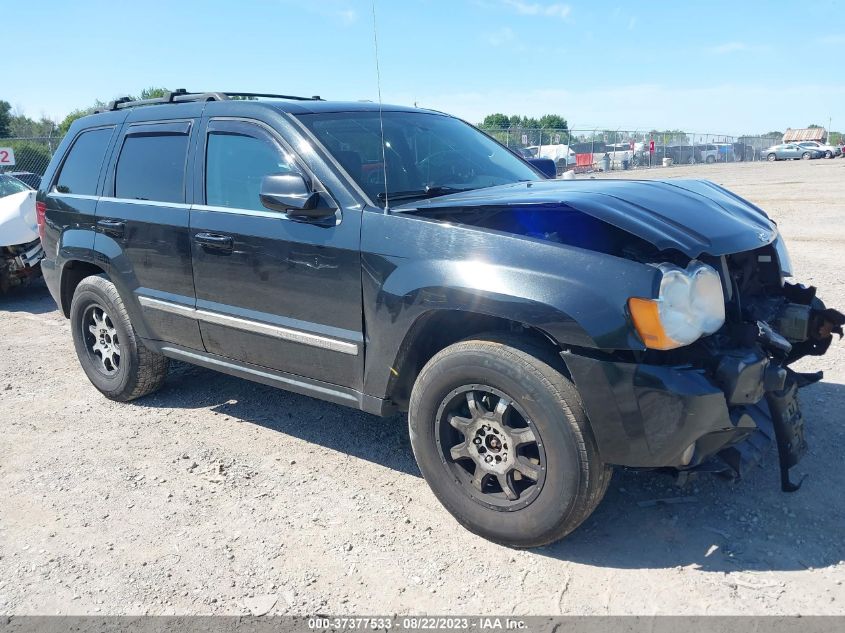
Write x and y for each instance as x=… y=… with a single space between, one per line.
x=537 y=332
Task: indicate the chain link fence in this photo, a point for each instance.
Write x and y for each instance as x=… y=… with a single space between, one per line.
x=579 y=150
x=27 y=158
x=607 y=149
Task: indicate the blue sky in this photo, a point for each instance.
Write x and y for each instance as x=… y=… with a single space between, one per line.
x=717 y=66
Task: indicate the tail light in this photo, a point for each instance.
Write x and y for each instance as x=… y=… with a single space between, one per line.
x=41 y=218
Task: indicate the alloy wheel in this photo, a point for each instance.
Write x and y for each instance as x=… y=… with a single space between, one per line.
x=490 y=447
x=102 y=341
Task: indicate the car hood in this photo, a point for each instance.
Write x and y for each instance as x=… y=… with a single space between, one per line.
x=17 y=219
x=692 y=216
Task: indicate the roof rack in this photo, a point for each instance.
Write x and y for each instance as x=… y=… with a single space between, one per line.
x=181 y=95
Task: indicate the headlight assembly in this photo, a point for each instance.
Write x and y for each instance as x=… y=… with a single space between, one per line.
x=690 y=305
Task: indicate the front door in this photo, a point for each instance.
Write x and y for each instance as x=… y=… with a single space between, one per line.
x=272 y=290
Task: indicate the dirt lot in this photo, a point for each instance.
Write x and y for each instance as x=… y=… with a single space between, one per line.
x=217 y=495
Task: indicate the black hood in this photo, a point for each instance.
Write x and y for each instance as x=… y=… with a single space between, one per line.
x=692 y=216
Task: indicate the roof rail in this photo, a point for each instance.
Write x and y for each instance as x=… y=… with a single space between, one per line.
x=181 y=95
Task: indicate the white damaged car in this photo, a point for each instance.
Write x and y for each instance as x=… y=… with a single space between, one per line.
x=20 y=245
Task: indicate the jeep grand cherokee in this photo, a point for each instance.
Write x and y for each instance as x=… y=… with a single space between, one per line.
x=537 y=332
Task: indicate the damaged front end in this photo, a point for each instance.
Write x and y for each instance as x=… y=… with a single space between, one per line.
x=717 y=404
x=711 y=387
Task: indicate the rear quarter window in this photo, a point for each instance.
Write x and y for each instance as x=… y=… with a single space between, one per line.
x=81 y=169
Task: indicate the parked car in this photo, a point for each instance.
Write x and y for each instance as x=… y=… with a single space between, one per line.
x=829 y=151
x=743 y=152
x=710 y=153
x=562 y=155
x=20 y=248
x=621 y=155
x=538 y=332
x=791 y=151
x=684 y=154
x=27 y=177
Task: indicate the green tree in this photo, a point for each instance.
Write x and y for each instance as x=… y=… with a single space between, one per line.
x=553 y=122
x=64 y=126
x=151 y=93
x=5 y=119
x=814 y=126
x=496 y=121
x=23 y=127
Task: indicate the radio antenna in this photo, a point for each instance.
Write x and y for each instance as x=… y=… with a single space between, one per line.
x=380 y=116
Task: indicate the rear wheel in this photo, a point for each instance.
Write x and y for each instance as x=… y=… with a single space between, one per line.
x=114 y=359
x=711 y=160
x=502 y=439
x=806 y=156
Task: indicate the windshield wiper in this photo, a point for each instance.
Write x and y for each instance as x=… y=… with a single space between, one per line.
x=428 y=192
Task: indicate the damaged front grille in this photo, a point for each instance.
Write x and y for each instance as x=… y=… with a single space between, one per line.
x=769 y=324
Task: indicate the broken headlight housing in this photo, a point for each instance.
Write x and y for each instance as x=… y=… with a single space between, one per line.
x=690 y=304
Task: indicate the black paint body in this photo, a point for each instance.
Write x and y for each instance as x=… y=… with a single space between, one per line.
x=368 y=282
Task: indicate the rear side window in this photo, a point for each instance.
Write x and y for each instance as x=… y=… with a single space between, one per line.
x=81 y=169
x=152 y=167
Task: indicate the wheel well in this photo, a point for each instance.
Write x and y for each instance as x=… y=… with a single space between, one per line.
x=72 y=274
x=436 y=331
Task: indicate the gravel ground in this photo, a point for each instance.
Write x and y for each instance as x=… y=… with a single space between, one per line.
x=217 y=495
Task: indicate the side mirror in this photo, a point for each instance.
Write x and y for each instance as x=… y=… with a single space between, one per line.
x=291 y=193
x=545 y=166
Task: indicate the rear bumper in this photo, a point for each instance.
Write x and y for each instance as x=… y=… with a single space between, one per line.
x=650 y=416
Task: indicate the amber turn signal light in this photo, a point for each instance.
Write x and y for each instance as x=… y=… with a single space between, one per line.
x=646 y=316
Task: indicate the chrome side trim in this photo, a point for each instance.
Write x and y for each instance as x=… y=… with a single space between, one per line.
x=249 y=325
x=75 y=196
x=252 y=212
x=168 y=306
x=148 y=203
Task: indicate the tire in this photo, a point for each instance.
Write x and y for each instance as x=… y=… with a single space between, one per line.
x=828 y=154
x=691 y=160
x=112 y=356
x=569 y=478
x=711 y=160
x=772 y=158
x=806 y=156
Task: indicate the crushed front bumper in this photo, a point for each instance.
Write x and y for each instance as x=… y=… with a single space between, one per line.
x=653 y=416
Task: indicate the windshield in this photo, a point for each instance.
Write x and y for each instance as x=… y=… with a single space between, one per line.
x=10 y=185
x=425 y=154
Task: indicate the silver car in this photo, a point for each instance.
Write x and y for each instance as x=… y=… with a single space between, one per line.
x=791 y=151
x=829 y=151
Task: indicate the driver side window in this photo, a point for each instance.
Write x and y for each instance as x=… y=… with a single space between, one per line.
x=235 y=164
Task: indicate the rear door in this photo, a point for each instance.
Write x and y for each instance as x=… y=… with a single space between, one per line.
x=272 y=290
x=142 y=225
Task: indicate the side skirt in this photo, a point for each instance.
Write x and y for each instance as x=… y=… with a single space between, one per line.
x=290 y=382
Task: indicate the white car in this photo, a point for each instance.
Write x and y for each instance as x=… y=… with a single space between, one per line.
x=20 y=245
x=830 y=151
x=562 y=155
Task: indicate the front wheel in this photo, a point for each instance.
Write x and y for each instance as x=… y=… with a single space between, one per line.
x=771 y=158
x=502 y=439
x=110 y=352
x=828 y=154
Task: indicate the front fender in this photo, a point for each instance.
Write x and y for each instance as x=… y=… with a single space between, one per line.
x=414 y=266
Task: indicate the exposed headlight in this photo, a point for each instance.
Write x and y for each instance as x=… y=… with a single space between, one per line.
x=690 y=305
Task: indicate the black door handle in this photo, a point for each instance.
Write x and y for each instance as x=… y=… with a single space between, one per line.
x=115 y=228
x=215 y=242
